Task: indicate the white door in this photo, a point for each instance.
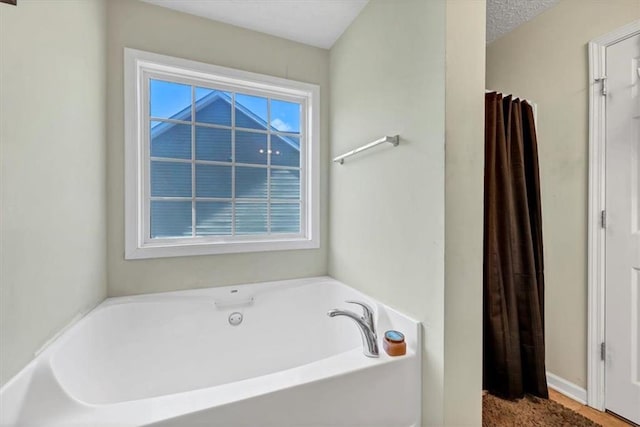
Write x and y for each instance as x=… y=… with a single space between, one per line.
x=622 y=276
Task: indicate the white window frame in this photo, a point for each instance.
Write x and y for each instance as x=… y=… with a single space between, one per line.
x=139 y=66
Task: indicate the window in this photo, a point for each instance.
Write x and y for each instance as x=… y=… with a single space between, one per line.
x=217 y=160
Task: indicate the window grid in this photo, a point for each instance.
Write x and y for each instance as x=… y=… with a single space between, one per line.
x=221 y=163
x=268 y=166
x=233 y=164
x=193 y=161
x=215 y=126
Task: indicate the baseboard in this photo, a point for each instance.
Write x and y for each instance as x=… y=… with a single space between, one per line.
x=567 y=388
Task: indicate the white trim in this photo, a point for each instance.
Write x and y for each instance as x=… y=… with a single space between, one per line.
x=567 y=388
x=139 y=66
x=596 y=248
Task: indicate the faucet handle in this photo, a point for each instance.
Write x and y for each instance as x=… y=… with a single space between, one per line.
x=368 y=313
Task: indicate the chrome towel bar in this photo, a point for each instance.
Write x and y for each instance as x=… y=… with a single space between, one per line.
x=394 y=140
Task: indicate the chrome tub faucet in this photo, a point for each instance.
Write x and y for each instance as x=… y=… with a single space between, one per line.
x=365 y=324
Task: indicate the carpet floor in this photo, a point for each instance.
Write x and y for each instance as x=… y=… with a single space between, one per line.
x=530 y=411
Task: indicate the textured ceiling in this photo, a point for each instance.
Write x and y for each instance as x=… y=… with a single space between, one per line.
x=505 y=15
x=314 y=22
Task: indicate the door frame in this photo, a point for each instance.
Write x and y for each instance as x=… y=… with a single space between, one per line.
x=596 y=249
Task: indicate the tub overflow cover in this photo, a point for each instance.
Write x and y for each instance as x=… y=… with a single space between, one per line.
x=235 y=318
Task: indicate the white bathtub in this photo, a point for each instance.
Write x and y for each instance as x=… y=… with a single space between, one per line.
x=173 y=359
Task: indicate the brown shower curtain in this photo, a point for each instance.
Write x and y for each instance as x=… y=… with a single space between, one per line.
x=513 y=266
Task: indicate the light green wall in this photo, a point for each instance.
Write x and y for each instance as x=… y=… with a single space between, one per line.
x=387 y=205
x=146 y=27
x=464 y=189
x=545 y=60
x=52 y=146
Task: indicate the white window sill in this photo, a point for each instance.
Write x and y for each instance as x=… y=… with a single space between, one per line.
x=166 y=250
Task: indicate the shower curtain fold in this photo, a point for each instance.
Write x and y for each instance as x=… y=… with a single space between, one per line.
x=513 y=264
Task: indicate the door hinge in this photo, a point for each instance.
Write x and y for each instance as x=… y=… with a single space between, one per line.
x=603 y=350
x=603 y=82
x=603 y=219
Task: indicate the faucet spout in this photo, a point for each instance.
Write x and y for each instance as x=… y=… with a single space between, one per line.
x=366 y=327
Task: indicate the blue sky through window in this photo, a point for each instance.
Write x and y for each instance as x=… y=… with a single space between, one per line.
x=168 y=98
x=285 y=116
